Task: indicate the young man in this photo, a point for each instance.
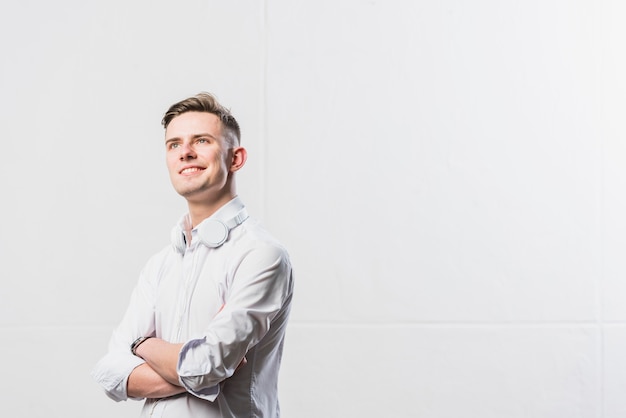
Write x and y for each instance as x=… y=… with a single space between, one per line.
x=203 y=334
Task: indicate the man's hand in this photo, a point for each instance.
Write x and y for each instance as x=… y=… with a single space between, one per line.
x=243 y=362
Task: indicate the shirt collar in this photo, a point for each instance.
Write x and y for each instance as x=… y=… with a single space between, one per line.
x=232 y=214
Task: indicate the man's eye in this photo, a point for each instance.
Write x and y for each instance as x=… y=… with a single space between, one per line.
x=173 y=145
x=202 y=141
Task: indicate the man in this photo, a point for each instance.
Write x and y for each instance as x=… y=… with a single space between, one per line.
x=203 y=334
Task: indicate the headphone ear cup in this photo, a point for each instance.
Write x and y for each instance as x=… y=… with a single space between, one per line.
x=178 y=239
x=213 y=233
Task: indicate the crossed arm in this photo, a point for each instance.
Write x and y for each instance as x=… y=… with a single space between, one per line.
x=157 y=377
x=266 y=284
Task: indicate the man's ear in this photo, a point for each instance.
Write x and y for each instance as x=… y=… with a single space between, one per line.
x=240 y=155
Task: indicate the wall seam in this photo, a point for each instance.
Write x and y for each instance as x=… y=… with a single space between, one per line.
x=601 y=280
x=591 y=324
x=263 y=112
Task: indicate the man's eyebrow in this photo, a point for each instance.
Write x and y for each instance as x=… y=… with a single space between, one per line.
x=176 y=138
x=203 y=135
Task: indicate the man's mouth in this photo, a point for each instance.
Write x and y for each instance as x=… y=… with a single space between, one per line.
x=190 y=170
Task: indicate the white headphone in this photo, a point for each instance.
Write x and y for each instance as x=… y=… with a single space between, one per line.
x=211 y=232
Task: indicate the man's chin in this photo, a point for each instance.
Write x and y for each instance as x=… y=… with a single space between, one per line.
x=188 y=192
x=197 y=195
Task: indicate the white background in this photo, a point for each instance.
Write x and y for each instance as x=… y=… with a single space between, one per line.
x=449 y=177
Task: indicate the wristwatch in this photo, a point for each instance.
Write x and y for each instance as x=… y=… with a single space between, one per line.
x=136 y=344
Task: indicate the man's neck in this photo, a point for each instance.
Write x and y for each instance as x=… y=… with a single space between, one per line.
x=199 y=211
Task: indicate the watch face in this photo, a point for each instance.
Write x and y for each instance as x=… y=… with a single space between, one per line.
x=136 y=344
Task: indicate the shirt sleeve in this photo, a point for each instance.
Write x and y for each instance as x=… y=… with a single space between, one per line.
x=112 y=371
x=259 y=288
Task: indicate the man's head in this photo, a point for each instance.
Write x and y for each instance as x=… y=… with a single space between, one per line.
x=202 y=153
x=205 y=102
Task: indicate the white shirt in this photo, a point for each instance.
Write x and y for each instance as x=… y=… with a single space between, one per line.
x=223 y=303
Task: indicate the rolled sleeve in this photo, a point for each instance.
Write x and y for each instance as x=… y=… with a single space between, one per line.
x=112 y=372
x=188 y=372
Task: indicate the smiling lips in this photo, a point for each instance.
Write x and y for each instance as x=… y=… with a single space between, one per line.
x=190 y=170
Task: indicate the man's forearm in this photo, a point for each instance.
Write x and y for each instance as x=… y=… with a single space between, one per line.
x=162 y=357
x=144 y=382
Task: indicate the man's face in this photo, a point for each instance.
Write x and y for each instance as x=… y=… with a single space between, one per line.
x=198 y=158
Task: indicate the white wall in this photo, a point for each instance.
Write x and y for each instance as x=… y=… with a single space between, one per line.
x=449 y=177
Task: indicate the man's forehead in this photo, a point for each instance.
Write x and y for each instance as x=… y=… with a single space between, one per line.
x=192 y=123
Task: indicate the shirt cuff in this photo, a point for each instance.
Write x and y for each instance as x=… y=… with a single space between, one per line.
x=192 y=379
x=112 y=372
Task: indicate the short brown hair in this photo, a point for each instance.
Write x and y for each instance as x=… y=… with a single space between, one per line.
x=206 y=102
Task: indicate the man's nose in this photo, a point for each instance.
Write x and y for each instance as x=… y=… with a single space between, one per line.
x=186 y=152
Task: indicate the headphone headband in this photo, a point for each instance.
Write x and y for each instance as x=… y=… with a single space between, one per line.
x=211 y=232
